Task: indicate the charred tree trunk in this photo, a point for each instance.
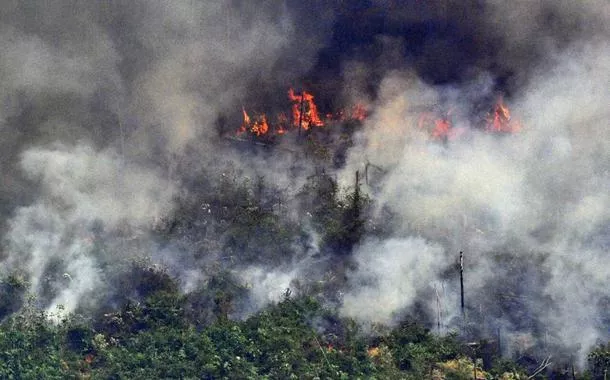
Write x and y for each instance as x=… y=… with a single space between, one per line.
x=462 y=284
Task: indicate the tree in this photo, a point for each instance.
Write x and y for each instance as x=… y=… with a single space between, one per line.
x=599 y=362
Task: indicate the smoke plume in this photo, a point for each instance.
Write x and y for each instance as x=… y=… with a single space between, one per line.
x=113 y=113
x=108 y=108
x=533 y=203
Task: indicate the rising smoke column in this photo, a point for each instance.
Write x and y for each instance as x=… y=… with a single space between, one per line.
x=82 y=191
x=536 y=200
x=107 y=108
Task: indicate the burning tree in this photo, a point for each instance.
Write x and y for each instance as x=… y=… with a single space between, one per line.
x=499 y=120
x=303 y=116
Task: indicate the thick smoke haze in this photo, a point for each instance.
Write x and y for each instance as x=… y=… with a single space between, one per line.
x=113 y=111
x=540 y=195
x=81 y=192
x=397 y=269
x=101 y=102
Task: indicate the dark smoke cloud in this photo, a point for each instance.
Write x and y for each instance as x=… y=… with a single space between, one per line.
x=448 y=42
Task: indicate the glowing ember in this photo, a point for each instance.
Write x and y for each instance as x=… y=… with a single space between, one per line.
x=359 y=112
x=442 y=129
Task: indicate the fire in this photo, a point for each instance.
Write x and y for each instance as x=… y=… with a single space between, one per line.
x=246 y=124
x=304 y=115
x=259 y=126
x=304 y=110
x=500 y=120
x=359 y=112
x=441 y=128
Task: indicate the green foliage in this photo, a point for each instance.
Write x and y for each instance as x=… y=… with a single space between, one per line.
x=236 y=217
x=599 y=361
x=31 y=347
x=462 y=368
x=416 y=349
x=338 y=216
x=157 y=337
x=505 y=368
x=148 y=279
x=12 y=292
x=163 y=352
x=215 y=300
x=284 y=338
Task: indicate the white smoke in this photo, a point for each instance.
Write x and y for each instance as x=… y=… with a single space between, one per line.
x=267 y=286
x=107 y=107
x=540 y=193
x=79 y=189
x=390 y=275
x=102 y=103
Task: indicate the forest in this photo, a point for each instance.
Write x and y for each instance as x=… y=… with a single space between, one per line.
x=144 y=321
x=164 y=333
x=266 y=189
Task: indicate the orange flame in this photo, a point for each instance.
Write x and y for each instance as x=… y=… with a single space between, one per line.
x=304 y=115
x=359 y=112
x=441 y=128
x=246 y=124
x=258 y=126
x=500 y=120
x=304 y=110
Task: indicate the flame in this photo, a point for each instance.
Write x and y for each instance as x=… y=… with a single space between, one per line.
x=259 y=126
x=441 y=128
x=500 y=119
x=304 y=115
x=359 y=112
x=246 y=124
x=304 y=110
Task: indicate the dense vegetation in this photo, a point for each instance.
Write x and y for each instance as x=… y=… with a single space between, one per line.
x=144 y=323
x=162 y=336
x=159 y=338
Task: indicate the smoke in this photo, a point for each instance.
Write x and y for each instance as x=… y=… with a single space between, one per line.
x=113 y=111
x=108 y=109
x=267 y=286
x=530 y=210
x=396 y=271
x=83 y=195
